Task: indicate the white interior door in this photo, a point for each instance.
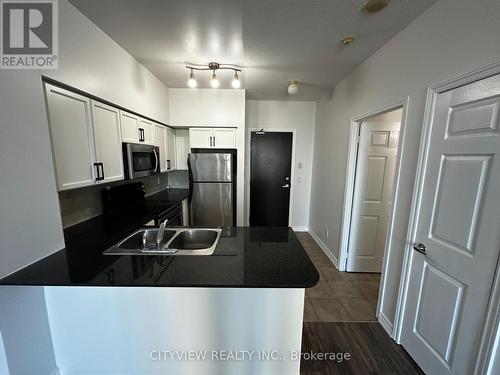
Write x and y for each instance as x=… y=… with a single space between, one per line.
x=458 y=221
x=378 y=148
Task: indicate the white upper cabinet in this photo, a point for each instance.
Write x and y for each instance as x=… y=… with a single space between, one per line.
x=170 y=143
x=72 y=138
x=160 y=140
x=136 y=129
x=147 y=128
x=181 y=148
x=212 y=137
x=130 y=127
x=108 y=141
x=224 y=138
x=200 y=137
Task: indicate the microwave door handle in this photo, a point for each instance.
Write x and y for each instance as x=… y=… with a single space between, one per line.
x=156 y=160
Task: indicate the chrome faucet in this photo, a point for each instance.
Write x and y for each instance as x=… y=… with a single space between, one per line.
x=159 y=236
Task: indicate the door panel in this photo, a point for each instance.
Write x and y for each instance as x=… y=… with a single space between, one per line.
x=457 y=219
x=211 y=167
x=72 y=138
x=270 y=163
x=171 y=152
x=436 y=328
x=148 y=128
x=130 y=127
x=224 y=138
x=372 y=195
x=200 y=137
x=212 y=204
x=108 y=143
x=458 y=200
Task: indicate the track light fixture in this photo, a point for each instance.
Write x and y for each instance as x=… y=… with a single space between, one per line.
x=214 y=81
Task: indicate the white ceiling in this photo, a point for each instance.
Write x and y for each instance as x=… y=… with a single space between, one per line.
x=274 y=40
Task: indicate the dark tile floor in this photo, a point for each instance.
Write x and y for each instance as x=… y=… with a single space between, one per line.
x=339 y=296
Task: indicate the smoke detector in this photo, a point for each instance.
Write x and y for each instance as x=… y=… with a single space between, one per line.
x=373 y=6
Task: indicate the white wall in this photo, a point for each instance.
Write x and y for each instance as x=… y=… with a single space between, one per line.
x=214 y=108
x=299 y=116
x=25 y=332
x=113 y=330
x=450 y=38
x=30 y=222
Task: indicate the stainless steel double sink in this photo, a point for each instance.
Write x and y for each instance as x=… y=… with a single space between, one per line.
x=175 y=241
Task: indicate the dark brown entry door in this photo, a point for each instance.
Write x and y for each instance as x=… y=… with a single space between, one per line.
x=270 y=166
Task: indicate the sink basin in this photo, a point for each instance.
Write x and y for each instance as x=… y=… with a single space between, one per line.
x=194 y=239
x=176 y=241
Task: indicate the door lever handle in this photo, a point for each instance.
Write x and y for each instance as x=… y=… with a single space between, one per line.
x=420 y=247
x=286 y=186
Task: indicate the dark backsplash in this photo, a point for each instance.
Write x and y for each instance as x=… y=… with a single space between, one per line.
x=82 y=204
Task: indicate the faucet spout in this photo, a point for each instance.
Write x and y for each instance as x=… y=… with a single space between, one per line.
x=159 y=236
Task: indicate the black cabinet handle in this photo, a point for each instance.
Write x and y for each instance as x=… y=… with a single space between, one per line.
x=102 y=171
x=98 y=177
x=141 y=135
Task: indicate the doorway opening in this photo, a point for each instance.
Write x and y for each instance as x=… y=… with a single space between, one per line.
x=271 y=154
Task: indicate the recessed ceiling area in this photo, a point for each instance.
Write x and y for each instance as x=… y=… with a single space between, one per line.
x=275 y=41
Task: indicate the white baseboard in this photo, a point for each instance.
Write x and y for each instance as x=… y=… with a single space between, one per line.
x=385 y=323
x=325 y=248
x=300 y=229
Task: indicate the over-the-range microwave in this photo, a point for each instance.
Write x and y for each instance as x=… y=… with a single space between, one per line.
x=140 y=160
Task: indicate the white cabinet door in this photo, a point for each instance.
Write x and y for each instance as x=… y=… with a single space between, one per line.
x=200 y=137
x=147 y=131
x=181 y=148
x=130 y=127
x=108 y=142
x=224 y=138
x=72 y=139
x=160 y=141
x=456 y=249
x=170 y=143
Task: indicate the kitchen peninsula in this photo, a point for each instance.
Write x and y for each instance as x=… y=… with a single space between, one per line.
x=111 y=313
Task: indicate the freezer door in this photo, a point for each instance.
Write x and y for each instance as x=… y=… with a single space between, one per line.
x=211 y=167
x=212 y=204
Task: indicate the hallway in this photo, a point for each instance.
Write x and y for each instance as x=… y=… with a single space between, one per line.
x=339 y=296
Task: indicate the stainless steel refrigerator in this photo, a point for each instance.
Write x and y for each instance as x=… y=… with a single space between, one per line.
x=213 y=188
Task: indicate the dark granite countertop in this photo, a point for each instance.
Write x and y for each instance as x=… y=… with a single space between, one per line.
x=171 y=195
x=248 y=257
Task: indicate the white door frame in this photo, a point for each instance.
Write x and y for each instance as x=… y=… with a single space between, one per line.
x=248 y=164
x=492 y=322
